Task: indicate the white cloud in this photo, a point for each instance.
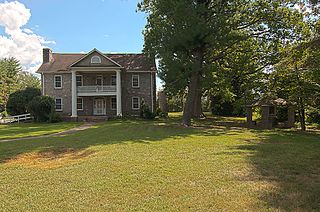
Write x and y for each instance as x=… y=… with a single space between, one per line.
x=28 y=31
x=21 y=43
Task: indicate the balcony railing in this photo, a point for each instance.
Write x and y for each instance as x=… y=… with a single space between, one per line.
x=96 y=90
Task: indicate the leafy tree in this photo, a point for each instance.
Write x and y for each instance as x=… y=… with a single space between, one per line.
x=19 y=100
x=41 y=108
x=26 y=79
x=191 y=37
x=297 y=77
x=12 y=78
x=9 y=69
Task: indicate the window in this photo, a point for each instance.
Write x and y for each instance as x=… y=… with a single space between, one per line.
x=79 y=80
x=135 y=81
x=79 y=103
x=58 y=104
x=95 y=59
x=57 y=81
x=99 y=80
x=113 y=80
x=113 y=103
x=135 y=103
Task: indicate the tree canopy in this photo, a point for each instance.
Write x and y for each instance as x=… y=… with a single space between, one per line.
x=199 y=41
x=13 y=78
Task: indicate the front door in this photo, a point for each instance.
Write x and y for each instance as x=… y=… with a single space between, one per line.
x=99 y=107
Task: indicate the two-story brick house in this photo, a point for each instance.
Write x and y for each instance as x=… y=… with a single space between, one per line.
x=97 y=84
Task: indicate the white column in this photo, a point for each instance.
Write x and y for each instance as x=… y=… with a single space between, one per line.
x=74 y=94
x=42 y=84
x=119 y=107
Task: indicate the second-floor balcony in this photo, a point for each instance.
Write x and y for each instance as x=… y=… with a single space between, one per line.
x=96 y=90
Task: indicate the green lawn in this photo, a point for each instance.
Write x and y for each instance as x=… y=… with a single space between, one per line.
x=151 y=166
x=33 y=129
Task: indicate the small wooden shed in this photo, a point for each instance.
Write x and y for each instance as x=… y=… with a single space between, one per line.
x=269 y=113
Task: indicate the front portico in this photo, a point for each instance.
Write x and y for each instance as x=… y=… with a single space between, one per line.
x=92 y=69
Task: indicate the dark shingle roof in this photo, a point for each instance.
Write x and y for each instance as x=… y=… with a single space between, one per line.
x=131 y=62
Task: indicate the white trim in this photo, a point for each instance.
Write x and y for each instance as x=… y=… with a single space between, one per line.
x=138 y=103
x=42 y=82
x=98 y=76
x=140 y=71
x=92 y=68
x=97 y=94
x=115 y=77
x=81 y=79
x=95 y=50
x=96 y=68
x=55 y=100
x=95 y=57
x=119 y=97
x=74 y=112
x=81 y=104
x=115 y=98
x=54 y=81
x=104 y=107
x=135 y=75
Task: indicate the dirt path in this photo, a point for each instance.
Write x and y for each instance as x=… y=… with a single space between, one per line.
x=85 y=126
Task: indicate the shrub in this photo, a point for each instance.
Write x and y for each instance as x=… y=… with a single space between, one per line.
x=19 y=100
x=160 y=113
x=4 y=114
x=41 y=107
x=54 y=117
x=313 y=115
x=145 y=112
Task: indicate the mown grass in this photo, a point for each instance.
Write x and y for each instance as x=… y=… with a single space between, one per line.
x=11 y=131
x=146 y=165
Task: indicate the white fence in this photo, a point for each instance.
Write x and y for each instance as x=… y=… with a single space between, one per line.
x=18 y=118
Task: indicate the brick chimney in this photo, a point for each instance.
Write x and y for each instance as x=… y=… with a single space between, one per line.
x=47 y=55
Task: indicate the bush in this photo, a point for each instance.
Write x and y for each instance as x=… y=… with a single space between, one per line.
x=313 y=115
x=4 y=114
x=19 y=100
x=160 y=113
x=145 y=112
x=54 y=117
x=41 y=107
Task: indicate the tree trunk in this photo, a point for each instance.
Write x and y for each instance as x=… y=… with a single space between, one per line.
x=192 y=106
x=197 y=109
x=301 y=102
x=191 y=98
x=302 y=115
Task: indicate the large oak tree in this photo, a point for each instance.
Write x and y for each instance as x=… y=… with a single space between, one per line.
x=188 y=36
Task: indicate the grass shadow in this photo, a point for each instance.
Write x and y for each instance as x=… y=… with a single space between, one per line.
x=109 y=133
x=290 y=161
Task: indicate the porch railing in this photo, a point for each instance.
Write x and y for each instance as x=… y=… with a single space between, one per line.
x=96 y=89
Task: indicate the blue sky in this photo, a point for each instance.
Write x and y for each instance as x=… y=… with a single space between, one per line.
x=79 y=25
x=27 y=26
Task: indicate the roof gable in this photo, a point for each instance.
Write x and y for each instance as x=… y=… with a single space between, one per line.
x=85 y=61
